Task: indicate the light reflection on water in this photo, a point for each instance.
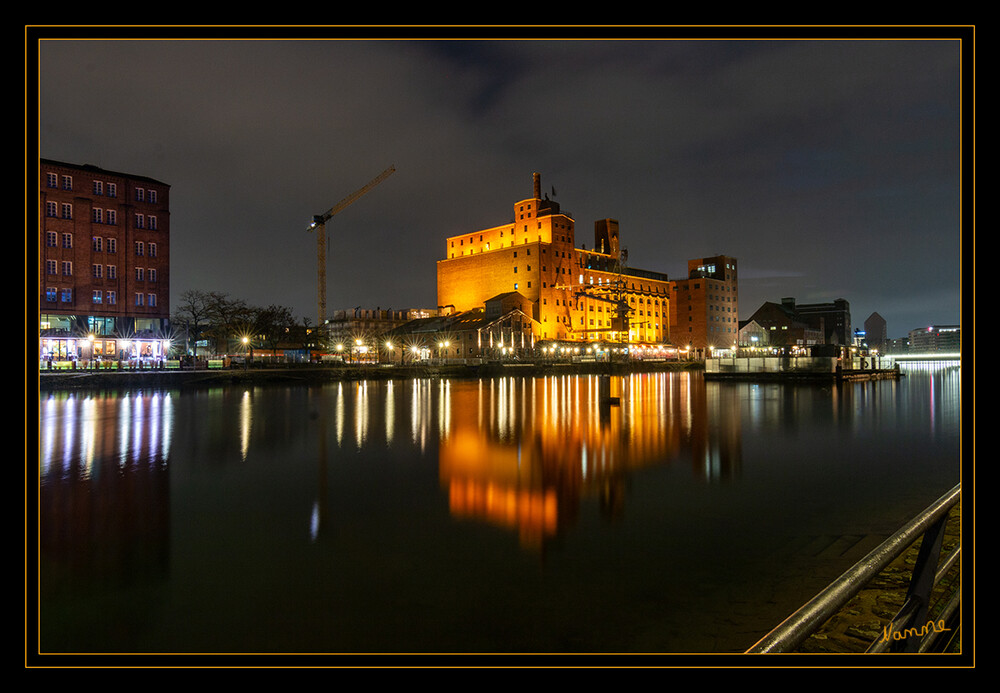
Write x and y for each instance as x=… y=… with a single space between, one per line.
x=468 y=514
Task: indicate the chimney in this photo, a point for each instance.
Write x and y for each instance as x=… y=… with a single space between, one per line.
x=538 y=185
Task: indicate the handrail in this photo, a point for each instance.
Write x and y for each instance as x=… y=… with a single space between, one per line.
x=795 y=629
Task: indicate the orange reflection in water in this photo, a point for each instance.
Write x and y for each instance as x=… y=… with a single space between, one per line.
x=522 y=453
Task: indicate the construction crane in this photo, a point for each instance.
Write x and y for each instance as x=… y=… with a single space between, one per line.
x=319 y=226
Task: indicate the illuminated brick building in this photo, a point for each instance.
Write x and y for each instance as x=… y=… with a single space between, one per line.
x=103 y=263
x=574 y=294
x=706 y=305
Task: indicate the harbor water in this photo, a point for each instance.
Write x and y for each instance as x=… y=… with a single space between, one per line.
x=496 y=515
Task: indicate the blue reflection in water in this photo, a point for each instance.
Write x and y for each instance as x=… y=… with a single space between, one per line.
x=480 y=515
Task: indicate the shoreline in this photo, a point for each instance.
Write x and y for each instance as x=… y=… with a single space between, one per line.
x=304 y=374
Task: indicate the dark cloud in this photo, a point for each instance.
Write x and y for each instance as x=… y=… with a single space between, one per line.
x=829 y=168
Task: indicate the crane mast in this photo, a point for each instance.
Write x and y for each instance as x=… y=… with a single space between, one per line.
x=319 y=226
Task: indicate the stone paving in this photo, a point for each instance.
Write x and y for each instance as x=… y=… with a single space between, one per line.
x=862 y=621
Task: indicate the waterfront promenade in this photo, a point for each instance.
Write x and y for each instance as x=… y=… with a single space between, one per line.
x=305 y=373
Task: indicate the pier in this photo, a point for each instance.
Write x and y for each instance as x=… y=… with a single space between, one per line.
x=785 y=368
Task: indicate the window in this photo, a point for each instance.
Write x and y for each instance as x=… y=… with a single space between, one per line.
x=140 y=222
x=52 y=180
x=112 y=271
x=96 y=298
x=51 y=209
x=67 y=210
x=152 y=196
x=98 y=271
x=112 y=190
x=112 y=298
x=151 y=274
x=51 y=267
x=67 y=268
x=66 y=295
x=98 y=216
x=67 y=182
x=138 y=299
x=151 y=300
x=98 y=187
x=152 y=250
x=139 y=274
x=50 y=293
x=67 y=240
x=139 y=248
x=152 y=222
x=112 y=245
x=98 y=244
x=50 y=239
x=140 y=195
x=112 y=217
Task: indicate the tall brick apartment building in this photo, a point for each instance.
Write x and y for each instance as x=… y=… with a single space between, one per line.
x=103 y=263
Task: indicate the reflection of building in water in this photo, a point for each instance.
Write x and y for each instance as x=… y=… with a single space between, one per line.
x=104 y=492
x=523 y=453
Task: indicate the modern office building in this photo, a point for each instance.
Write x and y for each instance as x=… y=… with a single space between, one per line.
x=936 y=339
x=876 y=332
x=103 y=264
x=572 y=293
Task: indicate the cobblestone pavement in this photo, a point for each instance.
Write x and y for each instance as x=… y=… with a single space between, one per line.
x=862 y=621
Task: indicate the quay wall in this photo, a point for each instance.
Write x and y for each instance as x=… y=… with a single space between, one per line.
x=168 y=378
x=794 y=367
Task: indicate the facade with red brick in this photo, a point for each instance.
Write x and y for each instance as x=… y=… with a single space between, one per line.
x=103 y=260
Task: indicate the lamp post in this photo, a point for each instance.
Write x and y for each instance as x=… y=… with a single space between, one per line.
x=249 y=352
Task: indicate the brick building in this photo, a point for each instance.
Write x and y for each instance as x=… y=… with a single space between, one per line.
x=706 y=305
x=103 y=264
x=571 y=294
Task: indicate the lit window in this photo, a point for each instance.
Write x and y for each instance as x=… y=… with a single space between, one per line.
x=97 y=296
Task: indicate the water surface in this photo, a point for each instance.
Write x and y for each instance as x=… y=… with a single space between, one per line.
x=498 y=515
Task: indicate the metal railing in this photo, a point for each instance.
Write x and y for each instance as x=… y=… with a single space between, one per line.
x=910 y=630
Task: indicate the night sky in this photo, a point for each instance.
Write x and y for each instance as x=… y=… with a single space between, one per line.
x=828 y=168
